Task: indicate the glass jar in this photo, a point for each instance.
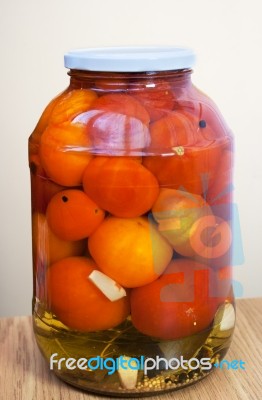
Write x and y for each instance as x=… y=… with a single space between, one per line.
x=131 y=172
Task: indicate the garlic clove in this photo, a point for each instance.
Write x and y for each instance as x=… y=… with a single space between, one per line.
x=127 y=375
x=228 y=318
x=111 y=289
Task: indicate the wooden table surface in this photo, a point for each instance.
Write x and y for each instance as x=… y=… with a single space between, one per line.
x=25 y=376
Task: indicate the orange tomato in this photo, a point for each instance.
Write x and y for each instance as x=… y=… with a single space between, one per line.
x=77 y=302
x=130 y=251
x=155 y=95
x=121 y=186
x=71 y=104
x=64 y=153
x=44 y=119
x=72 y=215
x=178 y=303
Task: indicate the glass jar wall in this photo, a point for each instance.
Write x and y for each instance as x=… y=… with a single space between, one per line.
x=131 y=176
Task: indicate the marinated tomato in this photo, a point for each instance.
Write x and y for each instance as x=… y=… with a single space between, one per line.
x=183 y=152
x=179 y=303
x=77 y=302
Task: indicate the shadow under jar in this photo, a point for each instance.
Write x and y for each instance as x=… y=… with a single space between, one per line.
x=131 y=176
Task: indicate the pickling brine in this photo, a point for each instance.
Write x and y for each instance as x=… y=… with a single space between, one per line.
x=131 y=176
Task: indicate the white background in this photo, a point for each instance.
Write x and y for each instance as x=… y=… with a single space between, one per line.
x=34 y=35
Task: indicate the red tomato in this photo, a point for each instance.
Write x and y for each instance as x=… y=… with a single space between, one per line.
x=155 y=95
x=203 y=108
x=191 y=152
x=190 y=170
x=179 y=303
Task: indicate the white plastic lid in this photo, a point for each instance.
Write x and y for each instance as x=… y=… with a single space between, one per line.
x=130 y=59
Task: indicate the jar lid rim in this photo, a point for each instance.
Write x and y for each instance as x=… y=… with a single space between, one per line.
x=130 y=59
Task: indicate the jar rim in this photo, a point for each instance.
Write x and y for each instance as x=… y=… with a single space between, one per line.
x=130 y=59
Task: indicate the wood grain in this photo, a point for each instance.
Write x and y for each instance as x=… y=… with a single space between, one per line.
x=24 y=375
